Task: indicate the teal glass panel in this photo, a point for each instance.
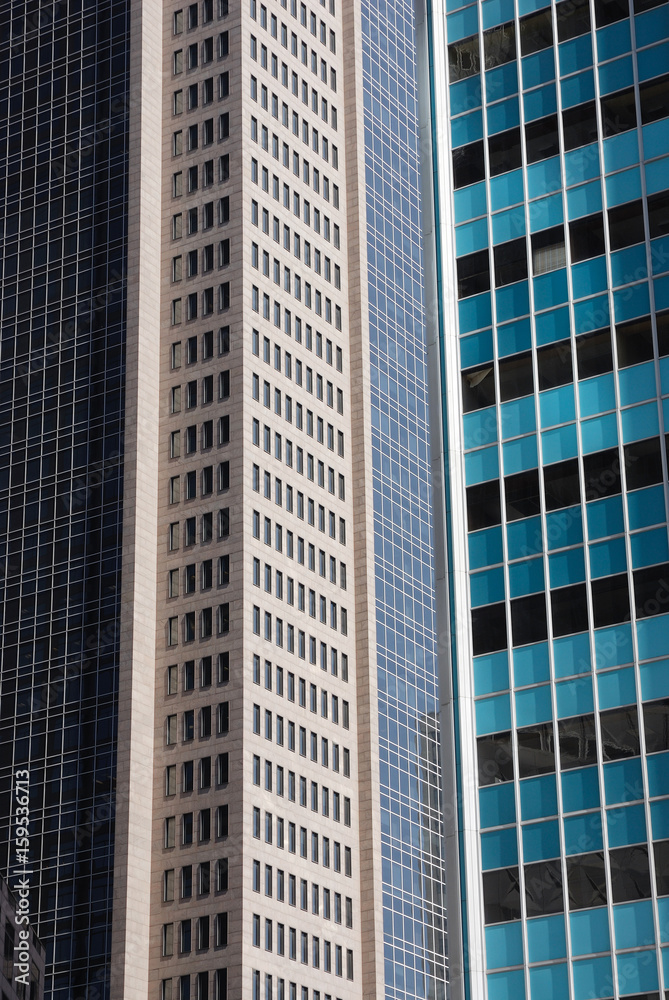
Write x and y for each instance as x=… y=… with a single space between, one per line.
x=520 y=455
x=497 y=805
x=608 y=558
x=538 y=797
x=651 y=25
x=551 y=326
x=659 y=821
x=621 y=187
x=506 y=189
x=514 y=337
x=546 y=938
x=578 y=89
x=506 y=985
x=638 y=970
x=504 y=945
x=656 y=175
x=580 y=789
x=663 y=914
x=661 y=292
x=471 y=236
x=503 y=115
x=655 y=139
x=637 y=383
x=485 y=547
x=633 y=924
x=605 y=517
x=476 y=349
x=486 y=587
x=549 y=981
x=613 y=646
x=599 y=433
x=645 y=507
x=626 y=825
x=574 y=697
x=613 y=40
x=596 y=395
x=616 y=687
x=654 y=679
x=564 y=527
x=465 y=95
x=589 y=974
x=499 y=849
x=508 y=225
x=463 y=23
x=541 y=102
x=469 y=202
x=544 y=177
x=480 y=427
x=657 y=765
x=621 y=151
x=512 y=301
x=541 y=841
x=524 y=538
x=586 y=199
x=559 y=444
x=659 y=250
x=517 y=417
x=481 y=465
x=616 y=75
x=531 y=664
x=496 y=12
x=581 y=164
x=630 y=302
x=589 y=931
x=629 y=264
x=652 y=62
x=538 y=68
x=533 y=705
x=640 y=422
x=491 y=673
x=591 y=314
x=493 y=715
x=571 y=655
x=622 y=781
x=575 y=54
x=546 y=212
x=475 y=313
x=550 y=289
x=501 y=82
x=566 y=567
x=589 y=276
x=527 y=6
x=583 y=833
x=526 y=577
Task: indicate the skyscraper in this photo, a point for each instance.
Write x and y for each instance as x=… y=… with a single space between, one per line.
x=218 y=661
x=546 y=132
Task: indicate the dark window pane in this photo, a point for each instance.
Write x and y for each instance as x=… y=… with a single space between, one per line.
x=536 y=750
x=630 y=876
x=658 y=214
x=483 y=505
x=634 y=342
x=478 y=389
x=521 y=493
x=473 y=274
x=555 y=365
x=499 y=45
x=548 y=250
x=528 y=619
x=543 y=888
x=618 y=112
x=663 y=333
x=541 y=138
x=580 y=125
x=464 y=59
x=656 y=725
x=593 y=353
x=651 y=591
x=489 y=628
x=536 y=32
x=610 y=600
x=495 y=758
x=643 y=463
x=662 y=867
x=561 y=484
x=626 y=225
x=602 y=474
x=654 y=99
x=501 y=895
x=573 y=19
x=578 y=742
x=620 y=734
x=609 y=11
x=504 y=151
x=515 y=376
x=468 y=164
x=586 y=237
x=569 y=609
x=510 y=262
x=587 y=881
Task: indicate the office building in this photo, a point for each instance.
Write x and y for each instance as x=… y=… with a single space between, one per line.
x=22 y=973
x=218 y=659
x=546 y=221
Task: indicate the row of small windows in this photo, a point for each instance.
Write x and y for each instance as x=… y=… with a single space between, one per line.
x=202 y=304
x=294 y=783
x=574 y=743
x=294 y=82
x=285 y=732
x=206 y=259
x=293 y=992
x=304 y=375
x=274 y=632
x=201 y=940
x=206 y=534
x=221 y=718
x=181 y=988
x=282 y=403
x=262 y=218
x=200 y=218
x=203 y=92
x=299 y=507
x=274 y=314
x=197 y=825
x=206 y=475
x=206 y=576
x=321 y=264
x=210 y=619
x=321 y=904
x=266 y=97
x=585 y=883
x=290 y=589
x=301 y=550
x=285 y=735
x=318 y=143
x=206 y=439
x=207 y=773
x=208 y=132
x=192 y=15
x=204 y=673
x=317 y=604
x=190 y=393
x=289 y=948
x=310 y=177
x=195 y=880
x=337 y=852
x=200 y=53
x=311 y=467
x=199 y=175
x=206 y=351
x=302 y=688
x=318 y=30
x=309 y=344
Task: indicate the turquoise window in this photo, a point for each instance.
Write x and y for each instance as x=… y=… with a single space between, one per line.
x=657 y=765
x=475 y=312
x=550 y=289
x=564 y=527
x=589 y=276
x=497 y=805
x=640 y=973
x=504 y=945
x=503 y=115
x=540 y=842
x=546 y=938
x=524 y=538
x=506 y=189
x=616 y=75
x=544 y=177
x=640 y=422
x=508 y=225
x=621 y=151
x=659 y=250
x=556 y=406
x=613 y=40
x=630 y=302
x=552 y=326
x=541 y=102
x=512 y=301
x=481 y=465
x=566 y=567
x=559 y=444
x=582 y=164
x=538 y=68
x=574 y=697
x=589 y=974
x=580 y=789
x=575 y=54
x=586 y=199
x=501 y=82
x=546 y=212
x=625 y=264
x=486 y=587
x=462 y=23
x=476 y=349
x=480 y=427
x=538 y=797
x=649 y=547
x=582 y=834
x=518 y=417
x=591 y=313
x=654 y=679
x=605 y=517
x=470 y=201
x=599 y=433
x=589 y=932
x=485 y=547
x=526 y=577
x=608 y=558
x=653 y=61
x=616 y=687
x=471 y=236
x=533 y=705
x=646 y=507
x=651 y=25
x=549 y=981
x=622 y=781
x=656 y=175
x=655 y=139
x=520 y=455
x=499 y=849
x=465 y=94
x=578 y=89
x=621 y=187
x=613 y=646
x=571 y=655
x=597 y=394
x=506 y=985
x=531 y=664
x=637 y=383
x=491 y=673
x=514 y=337
x=493 y=715
x=659 y=821
x=626 y=825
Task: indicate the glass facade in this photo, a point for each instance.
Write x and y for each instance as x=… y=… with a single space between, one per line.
x=551 y=210
x=414 y=922
x=63 y=122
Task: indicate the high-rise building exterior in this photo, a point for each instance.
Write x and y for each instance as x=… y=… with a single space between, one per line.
x=218 y=644
x=545 y=134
